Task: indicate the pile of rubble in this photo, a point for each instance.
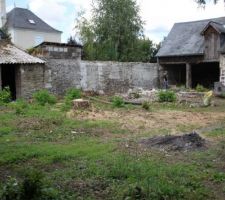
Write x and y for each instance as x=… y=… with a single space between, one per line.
x=192 y=98
x=138 y=96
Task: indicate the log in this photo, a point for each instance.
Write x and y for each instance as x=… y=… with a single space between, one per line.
x=80 y=104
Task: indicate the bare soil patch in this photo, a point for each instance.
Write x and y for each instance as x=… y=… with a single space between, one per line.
x=139 y=120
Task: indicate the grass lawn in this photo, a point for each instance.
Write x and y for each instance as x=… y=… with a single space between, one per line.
x=96 y=154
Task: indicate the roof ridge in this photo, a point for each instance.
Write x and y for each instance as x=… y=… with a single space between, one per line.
x=202 y=20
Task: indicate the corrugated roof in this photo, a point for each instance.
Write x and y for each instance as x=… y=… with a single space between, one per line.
x=9 y=54
x=186 y=39
x=24 y=18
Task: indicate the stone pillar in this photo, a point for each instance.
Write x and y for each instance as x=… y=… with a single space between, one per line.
x=0 y=77
x=188 y=76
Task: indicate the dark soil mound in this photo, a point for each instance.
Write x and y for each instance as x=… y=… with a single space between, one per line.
x=185 y=142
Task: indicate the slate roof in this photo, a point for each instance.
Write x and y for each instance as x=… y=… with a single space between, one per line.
x=185 y=38
x=9 y=54
x=19 y=18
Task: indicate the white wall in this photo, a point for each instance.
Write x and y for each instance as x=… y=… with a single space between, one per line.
x=25 y=39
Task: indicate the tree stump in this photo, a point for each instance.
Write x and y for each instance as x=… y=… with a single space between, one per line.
x=80 y=104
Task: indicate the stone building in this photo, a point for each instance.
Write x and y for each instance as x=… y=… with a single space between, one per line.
x=193 y=53
x=21 y=72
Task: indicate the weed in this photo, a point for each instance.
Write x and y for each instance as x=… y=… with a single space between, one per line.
x=200 y=88
x=219 y=177
x=32 y=187
x=19 y=106
x=118 y=102
x=5 y=130
x=5 y=95
x=146 y=105
x=43 y=97
x=218 y=132
x=167 y=96
x=71 y=94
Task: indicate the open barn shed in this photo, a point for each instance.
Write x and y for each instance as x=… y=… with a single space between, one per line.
x=192 y=53
x=21 y=72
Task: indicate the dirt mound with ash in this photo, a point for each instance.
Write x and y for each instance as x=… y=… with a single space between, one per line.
x=187 y=142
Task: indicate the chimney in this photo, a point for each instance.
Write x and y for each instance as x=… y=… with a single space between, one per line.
x=2 y=13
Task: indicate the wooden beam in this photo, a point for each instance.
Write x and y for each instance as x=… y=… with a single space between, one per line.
x=188 y=76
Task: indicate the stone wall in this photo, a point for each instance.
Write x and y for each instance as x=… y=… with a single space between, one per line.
x=61 y=74
x=107 y=77
x=29 y=79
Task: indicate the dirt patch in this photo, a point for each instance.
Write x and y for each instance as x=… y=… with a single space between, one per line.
x=187 y=142
x=139 y=121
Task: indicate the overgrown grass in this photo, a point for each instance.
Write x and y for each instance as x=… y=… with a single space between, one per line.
x=86 y=159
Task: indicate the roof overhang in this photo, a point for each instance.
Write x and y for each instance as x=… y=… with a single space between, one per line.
x=9 y=54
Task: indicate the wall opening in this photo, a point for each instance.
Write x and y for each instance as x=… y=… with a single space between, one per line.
x=205 y=74
x=9 y=78
x=176 y=74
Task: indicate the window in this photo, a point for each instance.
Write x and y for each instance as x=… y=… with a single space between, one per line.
x=60 y=49
x=65 y=49
x=31 y=21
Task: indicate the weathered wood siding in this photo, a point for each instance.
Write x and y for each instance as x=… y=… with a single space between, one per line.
x=212 y=41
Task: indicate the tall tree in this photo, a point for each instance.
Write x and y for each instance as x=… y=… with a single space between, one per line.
x=115 y=32
x=117 y=26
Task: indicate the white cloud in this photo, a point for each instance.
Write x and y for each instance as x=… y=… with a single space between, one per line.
x=159 y=15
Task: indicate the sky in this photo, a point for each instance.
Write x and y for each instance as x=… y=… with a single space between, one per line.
x=158 y=15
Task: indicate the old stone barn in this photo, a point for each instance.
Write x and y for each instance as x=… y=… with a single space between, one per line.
x=193 y=53
x=21 y=72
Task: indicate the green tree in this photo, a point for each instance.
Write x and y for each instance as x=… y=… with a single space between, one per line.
x=115 y=32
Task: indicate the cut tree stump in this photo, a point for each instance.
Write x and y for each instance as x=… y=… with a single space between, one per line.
x=80 y=104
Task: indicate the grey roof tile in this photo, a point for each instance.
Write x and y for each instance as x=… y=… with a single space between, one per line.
x=19 y=18
x=185 y=38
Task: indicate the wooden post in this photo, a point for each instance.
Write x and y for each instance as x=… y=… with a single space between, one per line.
x=188 y=76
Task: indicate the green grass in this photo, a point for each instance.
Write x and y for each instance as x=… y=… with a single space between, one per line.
x=86 y=159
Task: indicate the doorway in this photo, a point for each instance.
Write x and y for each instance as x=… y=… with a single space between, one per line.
x=8 y=73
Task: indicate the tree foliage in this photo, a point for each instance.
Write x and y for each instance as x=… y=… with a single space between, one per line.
x=115 y=32
x=204 y=2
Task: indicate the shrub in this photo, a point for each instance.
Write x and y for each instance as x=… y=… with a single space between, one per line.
x=32 y=187
x=43 y=97
x=19 y=106
x=5 y=95
x=146 y=105
x=200 y=88
x=73 y=93
x=167 y=96
x=118 y=102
